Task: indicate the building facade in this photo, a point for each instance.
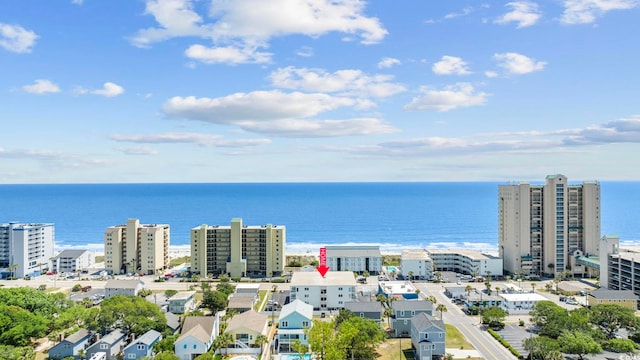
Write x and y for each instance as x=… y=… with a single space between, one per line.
x=428 y=337
x=542 y=229
x=330 y=292
x=238 y=250
x=25 y=249
x=72 y=261
x=357 y=258
x=416 y=264
x=619 y=266
x=136 y=248
x=465 y=261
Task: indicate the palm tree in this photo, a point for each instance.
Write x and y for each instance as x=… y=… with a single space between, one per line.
x=388 y=312
x=82 y=353
x=468 y=289
x=410 y=275
x=432 y=299
x=441 y=308
x=13 y=268
x=261 y=340
x=533 y=287
x=224 y=340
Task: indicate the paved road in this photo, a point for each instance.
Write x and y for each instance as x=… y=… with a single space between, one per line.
x=469 y=326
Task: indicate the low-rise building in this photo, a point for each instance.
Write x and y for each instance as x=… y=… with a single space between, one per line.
x=371 y=310
x=356 y=258
x=416 y=264
x=241 y=302
x=198 y=333
x=72 y=261
x=481 y=300
x=428 y=336
x=456 y=292
x=398 y=289
x=295 y=318
x=70 y=345
x=324 y=293
x=403 y=311
x=115 y=287
x=520 y=303
x=626 y=298
x=246 y=327
x=142 y=347
x=111 y=344
x=619 y=266
x=466 y=261
x=182 y=302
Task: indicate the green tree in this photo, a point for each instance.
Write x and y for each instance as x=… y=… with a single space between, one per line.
x=170 y=292
x=361 y=337
x=540 y=347
x=166 y=355
x=441 y=308
x=619 y=346
x=134 y=314
x=215 y=300
x=493 y=317
x=18 y=326
x=261 y=340
x=165 y=344
x=578 y=343
x=226 y=288
x=17 y=353
x=300 y=348
x=323 y=343
x=611 y=317
x=468 y=289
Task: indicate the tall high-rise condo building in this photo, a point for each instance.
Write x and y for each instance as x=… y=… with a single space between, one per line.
x=136 y=248
x=543 y=229
x=238 y=250
x=25 y=249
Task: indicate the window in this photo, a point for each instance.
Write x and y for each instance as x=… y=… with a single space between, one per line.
x=140 y=347
x=305 y=324
x=131 y=356
x=104 y=346
x=285 y=323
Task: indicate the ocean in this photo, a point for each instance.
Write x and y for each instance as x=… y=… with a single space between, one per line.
x=392 y=215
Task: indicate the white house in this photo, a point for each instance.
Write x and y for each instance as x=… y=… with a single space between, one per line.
x=416 y=263
x=330 y=292
x=70 y=260
x=122 y=287
x=520 y=303
x=198 y=333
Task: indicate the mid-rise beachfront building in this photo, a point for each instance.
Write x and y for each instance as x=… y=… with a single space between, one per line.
x=544 y=229
x=619 y=266
x=416 y=264
x=25 y=249
x=238 y=250
x=356 y=258
x=466 y=261
x=136 y=248
x=330 y=292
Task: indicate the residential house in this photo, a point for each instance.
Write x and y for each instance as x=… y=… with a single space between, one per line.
x=122 y=287
x=241 y=302
x=294 y=318
x=70 y=345
x=173 y=322
x=482 y=300
x=198 y=333
x=182 y=302
x=371 y=310
x=428 y=336
x=626 y=298
x=403 y=311
x=246 y=327
x=142 y=346
x=111 y=344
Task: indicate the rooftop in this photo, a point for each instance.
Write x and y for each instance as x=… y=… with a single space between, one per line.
x=523 y=297
x=250 y=320
x=607 y=294
x=122 y=284
x=397 y=287
x=415 y=254
x=353 y=251
x=298 y=306
x=332 y=278
x=70 y=253
x=472 y=254
x=183 y=295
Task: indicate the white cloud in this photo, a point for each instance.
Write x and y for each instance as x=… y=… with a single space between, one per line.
x=490 y=74
x=465 y=11
x=344 y=82
x=189 y=138
x=276 y=113
x=227 y=55
x=449 y=98
x=525 y=13
x=17 y=39
x=515 y=63
x=587 y=11
x=305 y=51
x=450 y=65
x=240 y=27
x=41 y=86
x=140 y=150
x=109 y=90
x=388 y=62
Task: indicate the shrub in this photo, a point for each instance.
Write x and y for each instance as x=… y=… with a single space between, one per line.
x=76 y=288
x=277 y=280
x=619 y=345
x=504 y=343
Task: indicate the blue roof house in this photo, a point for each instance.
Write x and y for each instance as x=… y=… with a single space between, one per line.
x=142 y=346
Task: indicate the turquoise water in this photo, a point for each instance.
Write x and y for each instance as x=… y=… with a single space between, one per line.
x=294 y=357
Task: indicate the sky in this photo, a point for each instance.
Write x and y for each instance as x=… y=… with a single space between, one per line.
x=145 y=91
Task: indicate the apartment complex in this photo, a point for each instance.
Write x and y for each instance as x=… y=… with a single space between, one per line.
x=542 y=229
x=136 y=248
x=619 y=266
x=357 y=258
x=72 y=261
x=238 y=250
x=330 y=292
x=465 y=261
x=25 y=249
x=416 y=264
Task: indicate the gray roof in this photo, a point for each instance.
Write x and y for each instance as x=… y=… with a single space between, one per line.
x=412 y=305
x=240 y=302
x=250 y=320
x=607 y=294
x=200 y=327
x=298 y=306
x=122 y=284
x=69 y=253
x=113 y=337
x=79 y=335
x=424 y=321
x=173 y=320
x=363 y=306
x=148 y=338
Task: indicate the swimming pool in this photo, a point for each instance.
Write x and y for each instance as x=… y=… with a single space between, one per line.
x=294 y=357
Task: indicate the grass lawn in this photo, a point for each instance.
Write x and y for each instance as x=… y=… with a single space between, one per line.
x=455 y=339
x=390 y=349
x=261 y=294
